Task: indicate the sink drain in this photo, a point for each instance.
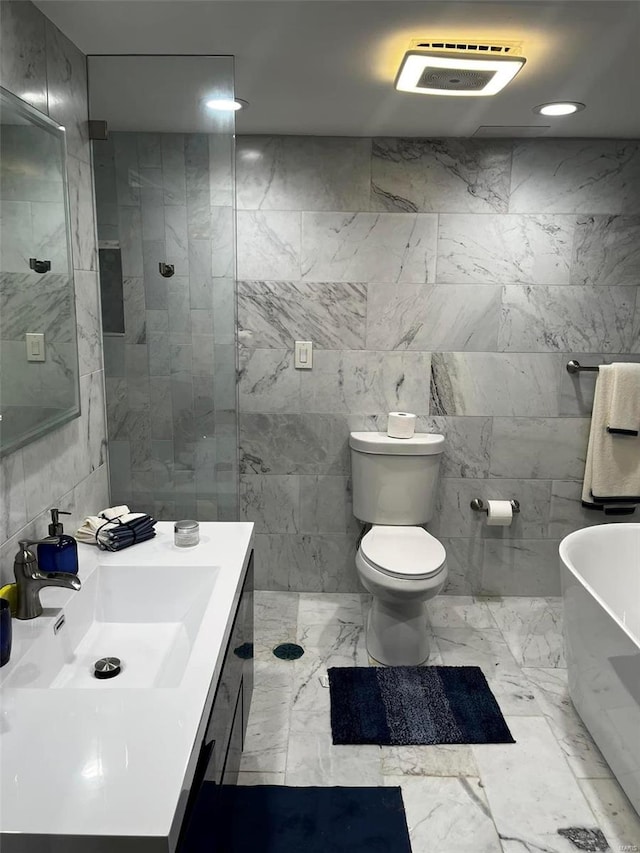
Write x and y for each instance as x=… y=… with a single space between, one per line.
x=107 y=667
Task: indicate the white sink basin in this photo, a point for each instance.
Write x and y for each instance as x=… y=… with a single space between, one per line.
x=148 y=616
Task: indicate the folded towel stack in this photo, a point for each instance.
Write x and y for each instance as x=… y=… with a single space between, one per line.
x=116 y=528
x=612 y=471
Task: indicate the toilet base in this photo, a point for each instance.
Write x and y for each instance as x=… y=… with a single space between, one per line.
x=397 y=633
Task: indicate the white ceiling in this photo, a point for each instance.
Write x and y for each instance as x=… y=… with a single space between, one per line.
x=327 y=66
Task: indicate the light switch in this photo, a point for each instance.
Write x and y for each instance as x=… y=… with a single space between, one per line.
x=303 y=358
x=35 y=346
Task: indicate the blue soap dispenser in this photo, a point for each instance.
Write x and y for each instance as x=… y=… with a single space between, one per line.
x=62 y=555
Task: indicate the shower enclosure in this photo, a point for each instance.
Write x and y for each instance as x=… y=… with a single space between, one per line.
x=164 y=180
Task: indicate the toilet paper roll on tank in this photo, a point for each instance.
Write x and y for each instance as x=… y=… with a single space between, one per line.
x=401 y=425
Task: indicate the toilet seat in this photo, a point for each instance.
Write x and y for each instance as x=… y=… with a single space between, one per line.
x=403 y=552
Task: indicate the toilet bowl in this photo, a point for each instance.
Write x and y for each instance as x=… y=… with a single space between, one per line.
x=402 y=568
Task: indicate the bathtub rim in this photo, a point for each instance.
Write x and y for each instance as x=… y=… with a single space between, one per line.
x=568 y=564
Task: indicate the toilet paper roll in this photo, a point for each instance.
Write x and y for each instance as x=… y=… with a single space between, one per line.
x=401 y=425
x=499 y=513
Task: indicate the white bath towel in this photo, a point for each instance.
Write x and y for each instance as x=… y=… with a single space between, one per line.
x=612 y=470
x=624 y=414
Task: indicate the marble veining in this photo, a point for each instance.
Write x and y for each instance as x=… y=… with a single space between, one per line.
x=268 y=381
x=606 y=250
x=427 y=318
x=499 y=278
x=576 y=176
x=509 y=384
x=506 y=249
x=67 y=90
x=368 y=246
x=302 y=173
x=358 y=382
x=538 y=318
x=553 y=448
x=474 y=799
x=532 y=630
x=29 y=300
x=551 y=691
x=272 y=314
x=67 y=467
x=441 y=175
x=24 y=58
x=269 y=244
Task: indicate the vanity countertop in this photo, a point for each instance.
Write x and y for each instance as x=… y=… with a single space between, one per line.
x=112 y=763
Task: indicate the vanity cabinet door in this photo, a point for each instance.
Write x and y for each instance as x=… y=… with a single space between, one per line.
x=235 y=685
x=234 y=750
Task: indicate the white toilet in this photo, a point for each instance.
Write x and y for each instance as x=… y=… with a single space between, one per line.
x=402 y=566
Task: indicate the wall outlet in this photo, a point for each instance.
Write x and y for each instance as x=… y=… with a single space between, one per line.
x=35 y=346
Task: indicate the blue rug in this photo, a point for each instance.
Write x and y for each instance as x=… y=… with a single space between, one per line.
x=276 y=819
x=414 y=705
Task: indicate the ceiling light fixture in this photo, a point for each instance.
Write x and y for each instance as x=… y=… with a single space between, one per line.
x=559 y=108
x=226 y=105
x=442 y=73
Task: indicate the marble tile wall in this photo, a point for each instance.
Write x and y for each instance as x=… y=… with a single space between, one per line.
x=453 y=278
x=171 y=394
x=68 y=467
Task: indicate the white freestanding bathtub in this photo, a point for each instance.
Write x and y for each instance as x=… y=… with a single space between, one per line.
x=601 y=593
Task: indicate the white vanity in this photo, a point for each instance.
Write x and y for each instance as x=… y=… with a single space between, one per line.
x=112 y=766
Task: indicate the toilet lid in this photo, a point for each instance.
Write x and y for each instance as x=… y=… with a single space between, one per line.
x=403 y=552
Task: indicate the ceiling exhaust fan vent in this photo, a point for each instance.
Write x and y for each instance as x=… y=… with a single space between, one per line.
x=494 y=48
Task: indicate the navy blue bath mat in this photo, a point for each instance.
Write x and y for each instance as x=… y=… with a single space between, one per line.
x=414 y=705
x=276 y=819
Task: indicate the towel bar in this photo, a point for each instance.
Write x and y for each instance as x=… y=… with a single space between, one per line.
x=574 y=366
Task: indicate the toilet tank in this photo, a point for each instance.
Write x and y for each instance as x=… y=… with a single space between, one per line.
x=395 y=479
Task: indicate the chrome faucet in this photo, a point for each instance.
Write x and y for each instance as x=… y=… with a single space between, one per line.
x=31 y=580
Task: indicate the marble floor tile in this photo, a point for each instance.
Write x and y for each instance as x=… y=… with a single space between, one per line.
x=332 y=624
x=528 y=790
x=268 y=727
x=532 y=628
x=311 y=701
x=615 y=815
x=531 y=790
x=313 y=760
x=437 y=760
x=260 y=778
x=550 y=689
x=447 y=815
x=275 y=621
x=471 y=645
x=486 y=648
x=459 y=611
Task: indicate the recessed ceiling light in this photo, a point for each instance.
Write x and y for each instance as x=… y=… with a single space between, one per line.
x=435 y=73
x=226 y=104
x=559 y=108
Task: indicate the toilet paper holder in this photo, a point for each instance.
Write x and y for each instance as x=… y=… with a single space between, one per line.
x=477 y=505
